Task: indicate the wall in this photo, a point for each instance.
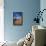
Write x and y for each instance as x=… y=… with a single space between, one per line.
x=43 y=6
x=29 y=8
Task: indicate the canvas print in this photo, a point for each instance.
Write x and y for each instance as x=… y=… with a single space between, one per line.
x=17 y=18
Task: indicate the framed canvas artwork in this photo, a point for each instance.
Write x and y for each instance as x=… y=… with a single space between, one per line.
x=17 y=18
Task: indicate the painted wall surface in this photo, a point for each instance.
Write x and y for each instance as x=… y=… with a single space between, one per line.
x=43 y=6
x=29 y=8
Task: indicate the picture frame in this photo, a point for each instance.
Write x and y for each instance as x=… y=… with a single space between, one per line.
x=17 y=18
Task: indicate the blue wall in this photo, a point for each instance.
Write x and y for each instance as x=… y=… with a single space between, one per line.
x=43 y=6
x=28 y=7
